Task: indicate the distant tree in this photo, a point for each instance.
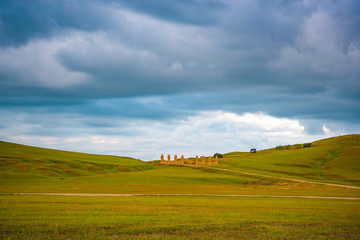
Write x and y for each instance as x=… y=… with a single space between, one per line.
x=253 y=150
x=218 y=155
x=306 y=145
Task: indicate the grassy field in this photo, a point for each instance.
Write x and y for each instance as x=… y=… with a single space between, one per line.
x=25 y=169
x=58 y=217
x=24 y=161
x=29 y=169
x=335 y=160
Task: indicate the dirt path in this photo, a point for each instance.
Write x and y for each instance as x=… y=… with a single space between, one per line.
x=197 y=195
x=268 y=176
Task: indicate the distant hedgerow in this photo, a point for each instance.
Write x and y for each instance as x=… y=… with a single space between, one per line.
x=295 y=146
x=306 y=145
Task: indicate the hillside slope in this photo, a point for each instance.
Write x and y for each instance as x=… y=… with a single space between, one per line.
x=335 y=159
x=19 y=161
x=32 y=169
x=25 y=169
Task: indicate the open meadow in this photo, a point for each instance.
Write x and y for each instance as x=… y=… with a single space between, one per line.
x=271 y=208
x=334 y=160
x=170 y=217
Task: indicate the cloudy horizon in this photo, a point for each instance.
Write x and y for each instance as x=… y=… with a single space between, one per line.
x=193 y=77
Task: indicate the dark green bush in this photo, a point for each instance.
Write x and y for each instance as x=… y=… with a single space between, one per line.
x=218 y=155
x=295 y=146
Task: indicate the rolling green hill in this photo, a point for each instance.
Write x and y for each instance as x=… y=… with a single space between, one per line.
x=19 y=161
x=334 y=159
x=31 y=169
x=25 y=169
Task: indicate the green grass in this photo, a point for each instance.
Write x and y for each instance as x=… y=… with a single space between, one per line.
x=335 y=160
x=58 y=217
x=171 y=180
x=30 y=169
x=20 y=161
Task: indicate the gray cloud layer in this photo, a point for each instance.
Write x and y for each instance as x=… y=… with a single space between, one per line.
x=162 y=60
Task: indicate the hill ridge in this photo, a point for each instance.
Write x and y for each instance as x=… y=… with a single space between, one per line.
x=17 y=159
x=335 y=159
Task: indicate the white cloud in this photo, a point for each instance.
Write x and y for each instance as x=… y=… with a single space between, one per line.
x=326 y=130
x=36 y=64
x=319 y=49
x=136 y=49
x=202 y=134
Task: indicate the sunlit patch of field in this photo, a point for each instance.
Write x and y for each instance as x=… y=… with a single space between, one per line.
x=335 y=160
x=20 y=161
x=60 y=217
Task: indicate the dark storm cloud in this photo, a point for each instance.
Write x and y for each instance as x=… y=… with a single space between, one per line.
x=21 y=21
x=286 y=58
x=186 y=11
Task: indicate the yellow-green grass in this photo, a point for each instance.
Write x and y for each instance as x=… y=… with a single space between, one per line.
x=335 y=160
x=171 y=180
x=24 y=161
x=124 y=175
x=69 y=217
x=28 y=169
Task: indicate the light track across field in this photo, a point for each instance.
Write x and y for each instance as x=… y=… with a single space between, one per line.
x=274 y=177
x=165 y=195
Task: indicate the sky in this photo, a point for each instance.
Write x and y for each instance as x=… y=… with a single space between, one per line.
x=193 y=77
